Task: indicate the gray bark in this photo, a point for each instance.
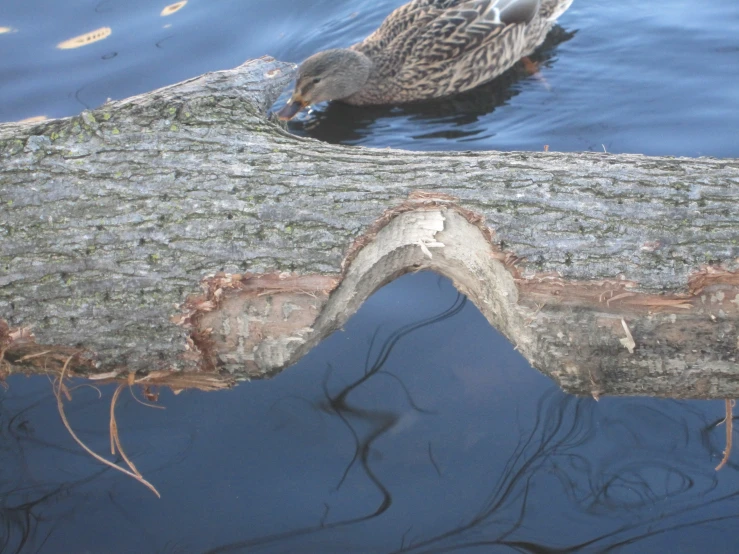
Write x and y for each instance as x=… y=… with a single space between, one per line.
x=113 y=220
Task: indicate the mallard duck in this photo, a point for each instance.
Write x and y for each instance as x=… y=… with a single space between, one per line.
x=426 y=49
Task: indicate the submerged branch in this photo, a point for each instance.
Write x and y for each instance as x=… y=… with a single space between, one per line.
x=729 y=421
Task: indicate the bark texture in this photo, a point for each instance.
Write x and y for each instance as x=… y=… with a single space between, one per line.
x=614 y=274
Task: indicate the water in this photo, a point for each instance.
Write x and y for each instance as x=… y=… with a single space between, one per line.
x=654 y=77
x=451 y=442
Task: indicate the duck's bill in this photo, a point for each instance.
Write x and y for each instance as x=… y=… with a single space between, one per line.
x=290 y=110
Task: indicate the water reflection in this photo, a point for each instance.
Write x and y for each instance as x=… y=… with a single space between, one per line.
x=378 y=422
x=85 y=39
x=557 y=494
x=28 y=504
x=173 y=8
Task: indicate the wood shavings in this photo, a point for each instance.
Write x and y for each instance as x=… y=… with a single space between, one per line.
x=627 y=341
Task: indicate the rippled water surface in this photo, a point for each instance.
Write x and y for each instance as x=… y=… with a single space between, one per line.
x=418 y=428
x=656 y=77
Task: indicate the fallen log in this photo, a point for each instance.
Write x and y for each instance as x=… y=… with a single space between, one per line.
x=185 y=230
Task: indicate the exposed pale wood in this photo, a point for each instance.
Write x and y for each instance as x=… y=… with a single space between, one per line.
x=111 y=221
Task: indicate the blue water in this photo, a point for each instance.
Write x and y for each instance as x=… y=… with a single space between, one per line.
x=654 y=77
x=417 y=428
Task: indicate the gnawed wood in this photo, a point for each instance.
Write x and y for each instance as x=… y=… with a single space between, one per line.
x=574 y=331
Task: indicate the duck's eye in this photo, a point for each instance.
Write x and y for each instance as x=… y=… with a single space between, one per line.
x=316 y=80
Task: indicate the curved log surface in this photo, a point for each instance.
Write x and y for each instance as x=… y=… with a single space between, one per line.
x=613 y=274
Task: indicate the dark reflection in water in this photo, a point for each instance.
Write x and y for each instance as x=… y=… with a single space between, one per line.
x=417 y=429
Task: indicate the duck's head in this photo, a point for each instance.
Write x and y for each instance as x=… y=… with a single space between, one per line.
x=328 y=75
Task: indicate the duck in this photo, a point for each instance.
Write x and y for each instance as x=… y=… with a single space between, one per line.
x=426 y=49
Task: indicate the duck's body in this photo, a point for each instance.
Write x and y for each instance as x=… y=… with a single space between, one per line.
x=427 y=49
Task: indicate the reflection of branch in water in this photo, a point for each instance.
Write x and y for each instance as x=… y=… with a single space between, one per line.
x=653 y=526
x=433 y=462
x=559 y=435
x=553 y=431
x=380 y=422
x=22 y=507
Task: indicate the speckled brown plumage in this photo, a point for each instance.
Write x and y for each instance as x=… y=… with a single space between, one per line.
x=427 y=49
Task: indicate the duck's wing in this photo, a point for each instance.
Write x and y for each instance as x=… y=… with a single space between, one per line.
x=422 y=31
x=468 y=25
x=406 y=20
